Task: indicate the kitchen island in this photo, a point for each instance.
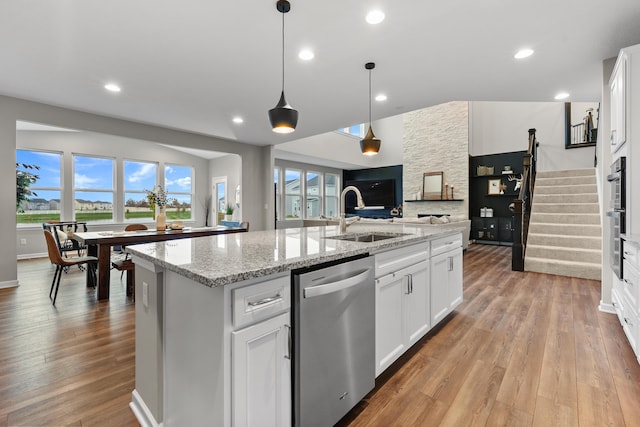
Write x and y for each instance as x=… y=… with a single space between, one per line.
x=213 y=323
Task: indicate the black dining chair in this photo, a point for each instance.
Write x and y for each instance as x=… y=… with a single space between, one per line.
x=61 y=263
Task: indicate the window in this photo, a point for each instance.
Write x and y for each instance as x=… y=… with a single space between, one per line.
x=314 y=195
x=93 y=191
x=293 y=194
x=138 y=176
x=178 y=185
x=355 y=130
x=331 y=194
x=42 y=195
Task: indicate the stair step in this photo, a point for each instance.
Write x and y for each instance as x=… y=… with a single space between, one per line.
x=569 y=208
x=566 y=189
x=564 y=198
x=563 y=173
x=564 y=254
x=567 y=241
x=569 y=218
x=565 y=229
x=584 y=270
x=570 y=180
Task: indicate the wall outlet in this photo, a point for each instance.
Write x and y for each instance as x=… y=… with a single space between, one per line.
x=145 y=294
x=23 y=241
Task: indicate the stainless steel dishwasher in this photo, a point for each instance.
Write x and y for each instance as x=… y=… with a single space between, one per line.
x=334 y=340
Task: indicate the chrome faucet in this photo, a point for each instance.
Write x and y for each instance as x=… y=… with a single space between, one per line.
x=343 y=220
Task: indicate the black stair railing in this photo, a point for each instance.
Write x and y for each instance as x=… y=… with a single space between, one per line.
x=522 y=205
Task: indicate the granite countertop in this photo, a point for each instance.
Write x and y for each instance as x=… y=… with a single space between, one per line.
x=229 y=258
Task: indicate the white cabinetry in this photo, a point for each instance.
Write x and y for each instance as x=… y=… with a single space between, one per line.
x=402 y=309
x=626 y=295
x=617 y=85
x=446 y=276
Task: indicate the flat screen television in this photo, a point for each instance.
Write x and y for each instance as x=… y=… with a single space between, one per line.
x=375 y=192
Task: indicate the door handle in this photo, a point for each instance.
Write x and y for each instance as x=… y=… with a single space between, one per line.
x=288 y=355
x=328 y=288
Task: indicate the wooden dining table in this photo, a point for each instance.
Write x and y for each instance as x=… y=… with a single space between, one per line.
x=99 y=244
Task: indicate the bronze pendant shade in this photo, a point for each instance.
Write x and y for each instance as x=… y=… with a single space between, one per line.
x=283 y=117
x=370 y=145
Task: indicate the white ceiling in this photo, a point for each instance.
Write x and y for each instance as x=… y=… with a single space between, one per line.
x=195 y=64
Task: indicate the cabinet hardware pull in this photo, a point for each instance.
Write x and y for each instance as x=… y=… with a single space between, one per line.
x=264 y=301
x=628 y=282
x=408 y=284
x=626 y=320
x=613 y=303
x=288 y=355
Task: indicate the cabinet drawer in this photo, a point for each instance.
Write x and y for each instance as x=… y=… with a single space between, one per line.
x=394 y=260
x=630 y=323
x=630 y=253
x=630 y=283
x=445 y=244
x=260 y=301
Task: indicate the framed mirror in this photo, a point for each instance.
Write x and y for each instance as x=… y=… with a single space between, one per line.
x=432 y=185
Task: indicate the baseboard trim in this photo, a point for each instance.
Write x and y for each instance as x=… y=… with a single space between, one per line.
x=32 y=256
x=141 y=411
x=607 y=308
x=9 y=284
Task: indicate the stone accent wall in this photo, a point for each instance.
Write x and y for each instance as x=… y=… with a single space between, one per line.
x=436 y=139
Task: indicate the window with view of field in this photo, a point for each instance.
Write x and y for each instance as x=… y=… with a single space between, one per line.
x=138 y=177
x=178 y=183
x=93 y=188
x=42 y=200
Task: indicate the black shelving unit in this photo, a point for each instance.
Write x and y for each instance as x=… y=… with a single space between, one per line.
x=496 y=230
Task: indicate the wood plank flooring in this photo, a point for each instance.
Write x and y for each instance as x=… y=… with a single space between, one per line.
x=524 y=349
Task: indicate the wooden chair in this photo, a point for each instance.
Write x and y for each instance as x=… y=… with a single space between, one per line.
x=61 y=263
x=125 y=264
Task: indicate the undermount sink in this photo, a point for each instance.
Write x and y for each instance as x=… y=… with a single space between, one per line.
x=366 y=237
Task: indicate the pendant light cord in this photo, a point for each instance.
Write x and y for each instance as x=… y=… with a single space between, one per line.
x=369 y=98
x=283 y=52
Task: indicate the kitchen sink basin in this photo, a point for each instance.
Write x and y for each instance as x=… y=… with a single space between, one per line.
x=366 y=237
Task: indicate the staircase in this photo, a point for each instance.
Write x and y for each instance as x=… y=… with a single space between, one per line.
x=565 y=236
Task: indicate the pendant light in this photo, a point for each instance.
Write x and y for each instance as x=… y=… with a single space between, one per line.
x=283 y=118
x=370 y=145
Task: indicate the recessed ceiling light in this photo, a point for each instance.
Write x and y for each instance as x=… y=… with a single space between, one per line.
x=238 y=120
x=523 y=53
x=375 y=17
x=561 y=95
x=306 y=55
x=112 y=87
x=381 y=97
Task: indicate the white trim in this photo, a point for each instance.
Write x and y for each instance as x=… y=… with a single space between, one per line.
x=141 y=411
x=606 y=308
x=33 y=256
x=9 y=284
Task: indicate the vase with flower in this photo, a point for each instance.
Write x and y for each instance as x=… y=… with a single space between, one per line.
x=158 y=203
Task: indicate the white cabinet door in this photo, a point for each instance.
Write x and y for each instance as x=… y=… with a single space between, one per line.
x=440 y=265
x=261 y=374
x=455 y=279
x=446 y=284
x=389 y=323
x=416 y=302
x=618 y=104
x=402 y=312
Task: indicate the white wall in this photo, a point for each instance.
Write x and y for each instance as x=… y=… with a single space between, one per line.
x=256 y=162
x=500 y=127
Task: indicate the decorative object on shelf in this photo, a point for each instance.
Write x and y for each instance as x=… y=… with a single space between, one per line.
x=507 y=170
x=283 y=117
x=432 y=186
x=446 y=191
x=397 y=211
x=161 y=219
x=517 y=180
x=494 y=186
x=484 y=170
x=370 y=145
x=486 y=212
x=452 y=193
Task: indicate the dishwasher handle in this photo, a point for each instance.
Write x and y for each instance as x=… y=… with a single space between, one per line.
x=318 y=290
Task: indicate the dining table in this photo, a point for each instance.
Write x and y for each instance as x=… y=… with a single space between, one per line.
x=99 y=244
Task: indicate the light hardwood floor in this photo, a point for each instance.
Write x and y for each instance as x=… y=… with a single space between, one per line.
x=524 y=349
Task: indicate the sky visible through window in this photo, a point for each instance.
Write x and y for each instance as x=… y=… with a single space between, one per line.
x=93 y=173
x=49 y=163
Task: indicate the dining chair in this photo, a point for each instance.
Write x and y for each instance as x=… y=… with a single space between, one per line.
x=61 y=263
x=125 y=264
